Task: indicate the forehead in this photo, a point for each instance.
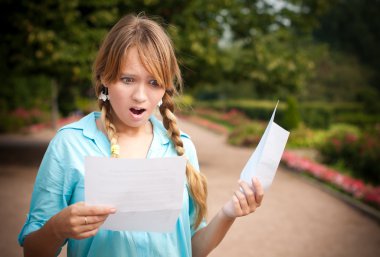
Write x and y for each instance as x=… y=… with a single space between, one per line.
x=131 y=63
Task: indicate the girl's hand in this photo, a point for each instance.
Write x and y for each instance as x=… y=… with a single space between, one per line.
x=243 y=203
x=78 y=221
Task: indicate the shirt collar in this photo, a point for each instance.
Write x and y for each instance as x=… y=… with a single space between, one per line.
x=159 y=130
x=88 y=125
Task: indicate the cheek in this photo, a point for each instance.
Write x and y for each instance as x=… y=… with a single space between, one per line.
x=161 y=95
x=118 y=101
x=157 y=96
x=117 y=93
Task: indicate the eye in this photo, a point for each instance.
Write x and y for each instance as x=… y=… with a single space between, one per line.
x=154 y=83
x=127 y=80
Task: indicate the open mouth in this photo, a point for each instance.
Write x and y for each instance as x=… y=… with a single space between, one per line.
x=137 y=111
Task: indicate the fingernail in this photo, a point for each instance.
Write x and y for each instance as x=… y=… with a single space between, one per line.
x=113 y=210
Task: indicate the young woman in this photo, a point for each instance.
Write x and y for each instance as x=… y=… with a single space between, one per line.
x=135 y=71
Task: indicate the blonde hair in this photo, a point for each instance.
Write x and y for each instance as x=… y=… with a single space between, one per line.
x=156 y=52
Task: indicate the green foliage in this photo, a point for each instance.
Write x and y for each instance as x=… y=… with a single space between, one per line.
x=313 y=114
x=291 y=117
x=248 y=135
x=229 y=119
x=53 y=39
x=281 y=64
x=85 y=105
x=361 y=119
x=219 y=43
x=258 y=110
x=317 y=115
x=353 y=150
x=228 y=50
x=184 y=103
x=25 y=92
x=353 y=27
x=338 y=77
x=304 y=137
x=20 y=118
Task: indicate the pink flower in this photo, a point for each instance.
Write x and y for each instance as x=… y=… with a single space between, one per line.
x=351 y=138
x=21 y=113
x=352 y=186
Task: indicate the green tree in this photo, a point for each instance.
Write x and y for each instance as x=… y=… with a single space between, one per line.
x=292 y=116
x=353 y=26
x=220 y=42
x=57 y=39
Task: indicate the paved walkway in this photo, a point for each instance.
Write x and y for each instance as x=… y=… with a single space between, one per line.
x=296 y=218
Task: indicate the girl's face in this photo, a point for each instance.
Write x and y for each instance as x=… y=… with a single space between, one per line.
x=135 y=94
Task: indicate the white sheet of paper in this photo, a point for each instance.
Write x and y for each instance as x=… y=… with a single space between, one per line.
x=147 y=193
x=264 y=161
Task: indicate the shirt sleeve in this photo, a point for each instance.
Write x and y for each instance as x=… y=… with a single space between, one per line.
x=48 y=196
x=191 y=154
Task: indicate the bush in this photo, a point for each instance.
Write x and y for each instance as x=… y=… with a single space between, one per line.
x=184 y=103
x=248 y=135
x=292 y=117
x=318 y=115
x=19 y=118
x=304 y=137
x=355 y=151
x=368 y=157
x=256 y=110
x=339 y=144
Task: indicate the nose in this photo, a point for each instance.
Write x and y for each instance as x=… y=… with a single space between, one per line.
x=139 y=94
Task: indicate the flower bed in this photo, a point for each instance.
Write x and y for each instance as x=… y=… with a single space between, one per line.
x=60 y=123
x=351 y=186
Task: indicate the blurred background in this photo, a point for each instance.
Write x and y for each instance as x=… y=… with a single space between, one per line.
x=320 y=58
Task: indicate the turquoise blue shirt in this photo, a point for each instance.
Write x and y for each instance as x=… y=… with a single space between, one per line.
x=60 y=183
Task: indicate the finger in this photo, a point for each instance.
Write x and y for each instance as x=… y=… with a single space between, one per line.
x=243 y=202
x=79 y=230
x=89 y=227
x=93 y=219
x=86 y=234
x=94 y=210
x=249 y=194
x=236 y=205
x=259 y=191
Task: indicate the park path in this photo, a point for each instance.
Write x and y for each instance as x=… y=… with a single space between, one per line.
x=297 y=218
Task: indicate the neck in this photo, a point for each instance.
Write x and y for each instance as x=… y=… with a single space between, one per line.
x=146 y=129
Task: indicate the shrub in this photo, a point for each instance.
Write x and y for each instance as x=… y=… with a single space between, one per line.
x=19 y=118
x=367 y=157
x=318 y=115
x=355 y=151
x=340 y=144
x=291 y=117
x=248 y=135
x=304 y=137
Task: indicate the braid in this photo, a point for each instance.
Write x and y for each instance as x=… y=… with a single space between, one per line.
x=196 y=180
x=110 y=130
